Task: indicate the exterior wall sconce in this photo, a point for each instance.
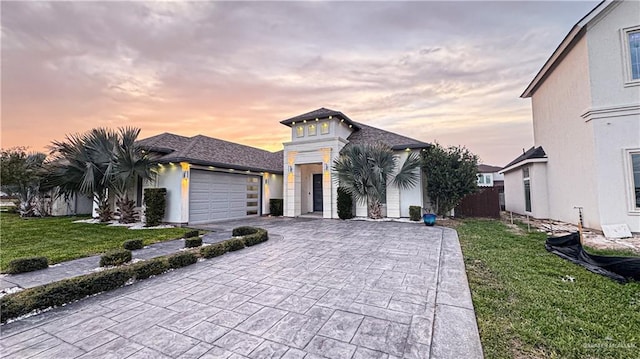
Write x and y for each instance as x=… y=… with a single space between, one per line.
x=326 y=166
x=185 y=175
x=290 y=169
x=266 y=181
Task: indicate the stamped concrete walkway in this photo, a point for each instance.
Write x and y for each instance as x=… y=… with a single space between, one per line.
x=326 y=289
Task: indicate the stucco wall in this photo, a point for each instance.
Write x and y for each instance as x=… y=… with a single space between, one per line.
x=170 y=177
x=412 y=196
x=606 y=56
x=567 y=139
x=514 y=191
x=272 y=188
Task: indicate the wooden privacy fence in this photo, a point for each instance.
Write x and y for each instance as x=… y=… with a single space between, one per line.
x=484 y=203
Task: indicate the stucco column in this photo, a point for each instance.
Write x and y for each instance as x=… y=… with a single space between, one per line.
x=184 y=192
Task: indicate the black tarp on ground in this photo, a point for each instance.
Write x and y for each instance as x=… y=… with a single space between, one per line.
x=617 y=268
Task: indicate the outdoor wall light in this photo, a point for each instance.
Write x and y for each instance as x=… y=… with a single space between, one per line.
x=290 y=169
x=326 y=166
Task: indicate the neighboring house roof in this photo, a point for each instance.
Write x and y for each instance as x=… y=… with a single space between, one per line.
x=565 y=46
x=208 y=151
x=488 y=169
x=531 y=154
x=321 y=113
x=367 y=134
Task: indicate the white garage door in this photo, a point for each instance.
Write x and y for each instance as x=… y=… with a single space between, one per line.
x=215 y=196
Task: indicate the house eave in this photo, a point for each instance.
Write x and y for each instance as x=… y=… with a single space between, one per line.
x=522 y=163
x=218 y=165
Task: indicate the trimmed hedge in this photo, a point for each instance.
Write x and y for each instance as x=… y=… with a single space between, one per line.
x=155 y=266
x=61 y=292
x=115 y=258
x=243 y=231
x=276 y=206
x=252 y=239
x=133 y=244
x=213 y=250
x=191 y=234
x=192 y=242
x=180 y=260
x=345 y=204
x=155 y=202
x=234 y=244
x=30 y=264
x=415 y=213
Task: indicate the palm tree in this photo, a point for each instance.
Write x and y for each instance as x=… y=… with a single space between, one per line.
x=97 y=162
x=364 y=171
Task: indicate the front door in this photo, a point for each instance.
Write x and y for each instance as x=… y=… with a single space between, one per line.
x=317 y=192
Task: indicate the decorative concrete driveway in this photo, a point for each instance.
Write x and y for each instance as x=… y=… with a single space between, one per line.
x=316 y=289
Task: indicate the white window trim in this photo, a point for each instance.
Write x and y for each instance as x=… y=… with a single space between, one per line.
x=315 y=129
x=298 y=132
x=624 y=37
x=322 y=132
x=628 y=176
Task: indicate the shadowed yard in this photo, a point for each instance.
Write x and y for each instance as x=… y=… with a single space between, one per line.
x=59 y=239
x=532 y=304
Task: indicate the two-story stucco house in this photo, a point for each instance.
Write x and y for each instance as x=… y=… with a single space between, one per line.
x=586 y=126
x=208 y=179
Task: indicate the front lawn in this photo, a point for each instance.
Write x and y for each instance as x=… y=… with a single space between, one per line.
x=58 y=239
x=533 y=304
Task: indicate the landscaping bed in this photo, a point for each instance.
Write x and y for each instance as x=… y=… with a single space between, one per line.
x=59 y=239
x=533 y=304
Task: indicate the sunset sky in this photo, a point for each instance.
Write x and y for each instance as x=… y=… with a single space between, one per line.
x=447 y=72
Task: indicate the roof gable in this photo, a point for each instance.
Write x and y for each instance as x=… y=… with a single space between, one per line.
x=321 y=113
x=532 y=153
x=368 y=134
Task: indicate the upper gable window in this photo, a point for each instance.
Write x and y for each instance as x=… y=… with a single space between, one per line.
x=312 y=130
x=631 y=52
x=324 y=128
x=300 y=131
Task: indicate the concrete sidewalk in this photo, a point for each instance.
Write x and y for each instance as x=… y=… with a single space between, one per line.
x=77 y=267
x=327 y=289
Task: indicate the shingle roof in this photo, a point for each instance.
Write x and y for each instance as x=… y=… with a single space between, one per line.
x=533 y=152
x=321 y=113
x=488 y=168
x=367 y=134
x=210 y=151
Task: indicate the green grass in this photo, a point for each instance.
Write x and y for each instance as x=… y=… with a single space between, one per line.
x=526 y=310
x=58 y=239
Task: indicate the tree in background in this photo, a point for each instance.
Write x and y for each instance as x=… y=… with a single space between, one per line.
x=363 y=171
x=451 y=174
x=22 y=174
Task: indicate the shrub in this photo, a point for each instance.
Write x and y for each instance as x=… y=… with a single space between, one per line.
x=191 y=234
x=61 y=292
x=22 y=265
x=192 y=242
x=234 y=244
x=214 y=250
x=345 y=204
x=243 y=231
x=155 y=202
x=275 y=206
x=252 y=239
x=146 y=269
x=180 y=260
x=415 y=213
x=115 y=258
x=133 y=244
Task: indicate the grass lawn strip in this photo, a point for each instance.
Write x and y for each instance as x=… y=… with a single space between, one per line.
x=532 y=304
x=58 y=239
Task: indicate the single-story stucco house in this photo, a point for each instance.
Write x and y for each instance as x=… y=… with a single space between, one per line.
x=209 y=179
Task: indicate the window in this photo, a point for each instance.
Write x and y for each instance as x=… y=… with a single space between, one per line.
x=480 y=179
x=527 y=189
x=300 y=131
x=311 y=130
x=324 y=128
x=631 y=52
x=635 y=168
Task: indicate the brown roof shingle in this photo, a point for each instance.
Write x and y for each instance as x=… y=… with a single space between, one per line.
x=368 y=134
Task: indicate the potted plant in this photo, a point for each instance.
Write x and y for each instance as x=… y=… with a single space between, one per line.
x=428 y=218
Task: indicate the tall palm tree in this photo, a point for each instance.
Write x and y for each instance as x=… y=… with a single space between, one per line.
x=364 y=171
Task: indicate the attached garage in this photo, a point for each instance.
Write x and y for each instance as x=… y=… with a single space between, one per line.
x=217 y=196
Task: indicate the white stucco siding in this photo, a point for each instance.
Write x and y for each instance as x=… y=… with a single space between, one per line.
x=614 y=136
x=539 y=190
x=170 y=177
x=411 y=196
x=514 y=191
x=272 y=188
x=607 y=58
x=567 y=139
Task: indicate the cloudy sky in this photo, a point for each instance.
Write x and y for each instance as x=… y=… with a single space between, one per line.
x=450 y=72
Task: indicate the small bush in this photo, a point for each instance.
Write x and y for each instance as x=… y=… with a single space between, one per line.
x=276 y=206
x=415 y=213
x=115 y=258
x=133 y=244
x=234 y=244
x=192 y=242
x=180 y=260
x=191 y=234
x=214 y=250
x=61 y=292
x=243 y=231
x=155 y=202
x=252 y=239
x=345 y=204
x=23 y=265
x=146 y=269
